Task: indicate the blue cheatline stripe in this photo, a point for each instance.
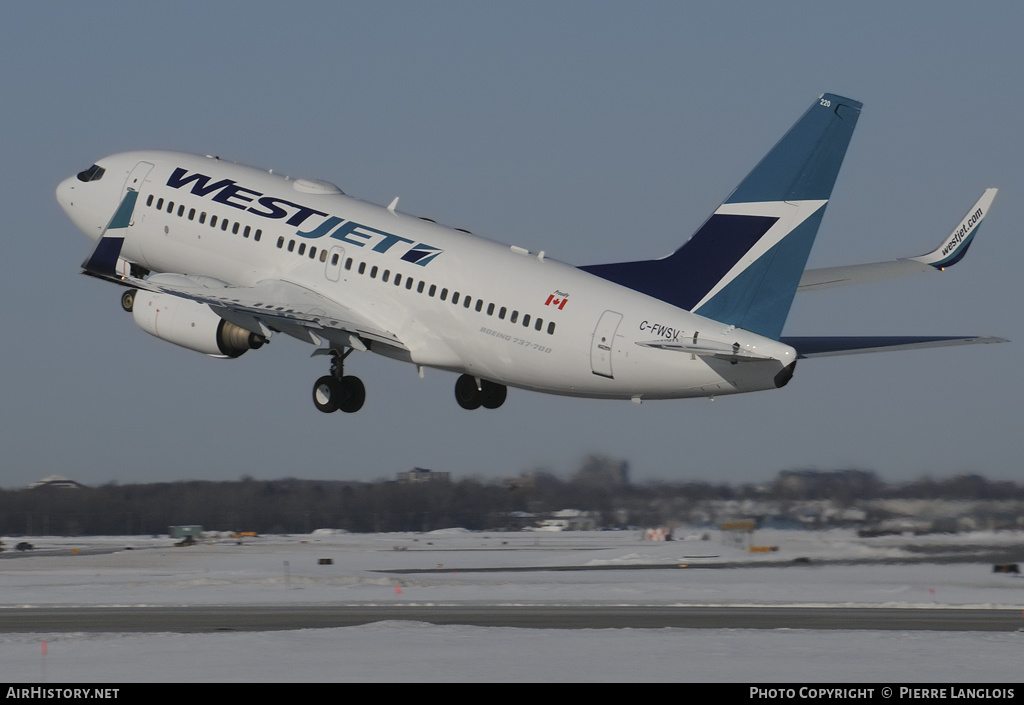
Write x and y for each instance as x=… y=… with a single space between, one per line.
x=103 y=259
x=123 y=216
x=803 y=166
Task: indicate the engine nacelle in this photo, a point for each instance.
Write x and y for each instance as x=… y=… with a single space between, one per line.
x=191 y=325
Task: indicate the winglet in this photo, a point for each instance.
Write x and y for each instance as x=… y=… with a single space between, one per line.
x=954 y=247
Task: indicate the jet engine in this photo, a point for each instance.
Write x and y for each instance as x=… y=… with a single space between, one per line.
x=189 y=324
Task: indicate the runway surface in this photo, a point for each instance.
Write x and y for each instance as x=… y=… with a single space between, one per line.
x=589 y=580
x=262 y=618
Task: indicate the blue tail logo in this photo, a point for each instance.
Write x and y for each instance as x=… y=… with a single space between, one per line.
x=743 y=265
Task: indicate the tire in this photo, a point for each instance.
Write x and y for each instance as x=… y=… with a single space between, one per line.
x=353 y=394
x=493 y=395
x=128 y=300
x=326 y=394
x=466 y=393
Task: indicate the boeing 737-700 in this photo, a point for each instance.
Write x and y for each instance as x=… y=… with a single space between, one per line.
x=218 y=257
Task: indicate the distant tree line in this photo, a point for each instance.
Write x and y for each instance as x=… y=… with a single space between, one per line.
x=601 y=486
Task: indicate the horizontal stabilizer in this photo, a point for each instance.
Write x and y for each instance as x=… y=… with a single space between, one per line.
x=951 y=251
x=720 y=351
x=815 y=346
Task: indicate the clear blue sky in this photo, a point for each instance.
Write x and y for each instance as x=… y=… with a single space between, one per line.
x=595 y=131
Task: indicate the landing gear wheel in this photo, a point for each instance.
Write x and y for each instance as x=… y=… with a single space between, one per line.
x=326 y=394
x=466 y=393
x=353 y=394
x=128 y=300
x=493 y=395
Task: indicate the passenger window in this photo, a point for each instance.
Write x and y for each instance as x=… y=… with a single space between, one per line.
x=213 y=221
x=224 y=225
x=526 y=320
x=280 y=241
x=444 y=294
x=170 y=207
x=467 y=301
x=514 y=317
x=551 y=328
x=291 y=245
x=479 y=305
x=202 y=217
x=160 y=204
x=191 y=213
x=334 y=258
x=259 y=233
x=433 y=290
x=245 y=233
x=373 y=272
x=501 y=313
x=362 y=267
x=455 y=298
x=312 y=253
x=387 y=275
x=181 y=211
x=539 y=324
x=234 y=229
x=490 y=309
x=149 y=201
x=302 y=248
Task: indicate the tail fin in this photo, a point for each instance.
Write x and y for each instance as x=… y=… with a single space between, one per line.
x=742 y=267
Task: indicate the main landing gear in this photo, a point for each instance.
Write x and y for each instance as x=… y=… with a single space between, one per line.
x=338 y=391
x=472 y=393
x=347 y=393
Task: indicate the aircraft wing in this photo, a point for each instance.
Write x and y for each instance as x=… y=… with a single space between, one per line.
x=812 y=346
x=275 y=305
x=951 y=251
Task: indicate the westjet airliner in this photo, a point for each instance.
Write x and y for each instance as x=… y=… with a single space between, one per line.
x=218 y=257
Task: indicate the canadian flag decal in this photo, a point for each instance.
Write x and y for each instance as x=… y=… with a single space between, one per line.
x=557 y=300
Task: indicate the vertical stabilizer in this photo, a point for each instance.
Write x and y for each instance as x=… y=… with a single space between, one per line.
x=743 y=265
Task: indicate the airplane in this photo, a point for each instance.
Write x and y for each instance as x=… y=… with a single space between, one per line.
x=218 y=257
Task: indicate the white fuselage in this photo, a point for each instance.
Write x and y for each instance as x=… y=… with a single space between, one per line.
x=455 y=301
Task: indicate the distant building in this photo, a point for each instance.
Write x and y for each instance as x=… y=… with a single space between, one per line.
x=57 y=481
x=421 y=475
x=185 y=530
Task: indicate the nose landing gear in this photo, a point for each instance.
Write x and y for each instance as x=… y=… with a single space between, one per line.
x=337 y=390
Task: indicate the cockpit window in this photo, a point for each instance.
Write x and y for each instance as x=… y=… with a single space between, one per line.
x=93 y=173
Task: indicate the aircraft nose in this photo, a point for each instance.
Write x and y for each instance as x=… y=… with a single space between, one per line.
x=66 y=194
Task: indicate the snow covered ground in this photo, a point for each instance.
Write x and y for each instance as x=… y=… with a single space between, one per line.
x=287 y=569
